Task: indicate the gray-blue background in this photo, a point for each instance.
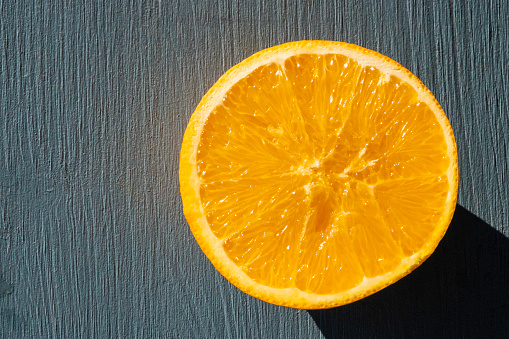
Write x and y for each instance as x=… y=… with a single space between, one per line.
x=94 y=100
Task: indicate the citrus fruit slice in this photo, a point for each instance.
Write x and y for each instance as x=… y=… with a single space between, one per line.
x=315 y=173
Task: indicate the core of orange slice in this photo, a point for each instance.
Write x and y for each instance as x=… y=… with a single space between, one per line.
x=316 y=173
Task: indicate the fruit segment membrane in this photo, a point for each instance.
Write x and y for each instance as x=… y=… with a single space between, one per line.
x=318 y=172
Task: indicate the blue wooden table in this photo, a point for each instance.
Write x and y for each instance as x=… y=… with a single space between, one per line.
x=94 y=100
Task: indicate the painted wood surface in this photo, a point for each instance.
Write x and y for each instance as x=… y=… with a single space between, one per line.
x=94 y=100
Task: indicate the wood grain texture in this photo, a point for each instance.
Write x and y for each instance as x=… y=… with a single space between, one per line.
x=94 y=100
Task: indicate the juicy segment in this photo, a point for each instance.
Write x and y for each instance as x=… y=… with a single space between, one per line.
x=305 y=164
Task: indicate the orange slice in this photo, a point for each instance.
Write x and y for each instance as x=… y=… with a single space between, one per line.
x=315 y=173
